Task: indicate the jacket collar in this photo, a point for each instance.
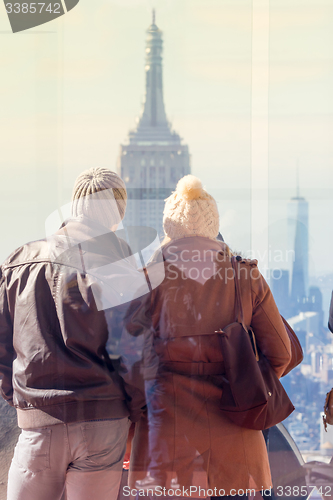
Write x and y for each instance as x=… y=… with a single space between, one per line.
x=82 y=228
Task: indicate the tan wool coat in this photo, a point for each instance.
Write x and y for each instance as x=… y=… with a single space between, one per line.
x=183 y=433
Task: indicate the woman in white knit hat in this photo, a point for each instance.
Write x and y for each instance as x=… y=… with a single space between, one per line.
x=184 y=439
x=190 y=211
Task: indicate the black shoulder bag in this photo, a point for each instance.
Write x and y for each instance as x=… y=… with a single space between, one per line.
x=252 y=395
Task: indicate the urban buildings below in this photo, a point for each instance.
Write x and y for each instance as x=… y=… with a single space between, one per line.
x=302 y=306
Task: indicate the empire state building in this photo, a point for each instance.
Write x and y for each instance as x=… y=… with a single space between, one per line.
x=153 y=158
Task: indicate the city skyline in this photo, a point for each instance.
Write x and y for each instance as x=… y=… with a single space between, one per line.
x=81 y=85
x=83 y=124
x=70 y=92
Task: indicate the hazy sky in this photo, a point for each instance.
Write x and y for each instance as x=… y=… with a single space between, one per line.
x=71 y=89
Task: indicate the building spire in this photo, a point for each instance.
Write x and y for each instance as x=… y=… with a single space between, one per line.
x=298 y=190
x=297 y=179
x=153 y=114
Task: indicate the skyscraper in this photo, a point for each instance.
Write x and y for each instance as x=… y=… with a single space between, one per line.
x=298 y=223
x=153 y=158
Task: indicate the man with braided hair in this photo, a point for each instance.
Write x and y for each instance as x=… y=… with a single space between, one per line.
x=74 y=400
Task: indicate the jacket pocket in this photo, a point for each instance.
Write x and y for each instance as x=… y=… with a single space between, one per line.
x=105 y=442
x=32 y=452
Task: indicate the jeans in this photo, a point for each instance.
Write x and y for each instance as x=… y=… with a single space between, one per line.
x=79 y=461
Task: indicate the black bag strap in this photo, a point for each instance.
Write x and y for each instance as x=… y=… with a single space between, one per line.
x=239 y=305
x=238 y=302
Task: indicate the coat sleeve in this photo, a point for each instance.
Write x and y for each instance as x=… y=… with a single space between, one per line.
x=6 y=345
x=330 y=319
x=296 y=348
x=271 y=335
x=136 y=346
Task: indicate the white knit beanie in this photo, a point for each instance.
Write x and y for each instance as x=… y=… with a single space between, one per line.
x=190 y=210
x=100 y=194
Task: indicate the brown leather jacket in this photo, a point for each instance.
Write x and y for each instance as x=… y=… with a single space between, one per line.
x=54 y=342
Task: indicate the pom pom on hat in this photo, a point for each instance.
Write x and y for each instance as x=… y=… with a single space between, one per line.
x=190 y=211
x=190 y=187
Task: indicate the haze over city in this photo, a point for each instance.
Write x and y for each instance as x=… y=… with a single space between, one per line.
x=247 y=85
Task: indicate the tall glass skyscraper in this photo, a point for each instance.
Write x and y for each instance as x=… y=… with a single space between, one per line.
x=298 y=239
x=153 y=158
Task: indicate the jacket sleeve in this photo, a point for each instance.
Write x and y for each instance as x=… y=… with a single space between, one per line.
x=6 y=345
x=296 y=348
x=271 y=335
x=135 y=348
x=330 y=319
